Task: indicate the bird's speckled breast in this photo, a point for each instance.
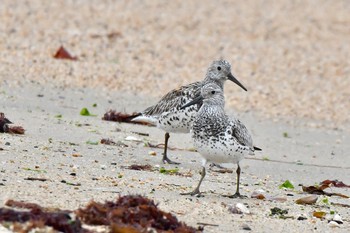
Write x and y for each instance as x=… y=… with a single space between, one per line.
x=178 y=121
x=212 y=136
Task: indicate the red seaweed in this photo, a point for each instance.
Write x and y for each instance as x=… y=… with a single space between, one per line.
x=131 y=213
x=5 y=126
x=335 y=183
x=59 y=220
x=113 y=115
x=62 y=53
x=138 y=167
x=134 y=212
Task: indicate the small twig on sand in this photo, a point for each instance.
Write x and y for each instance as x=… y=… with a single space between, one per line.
x=207 y=224
x=161 y=146
x=36 y=179
x=141 y=134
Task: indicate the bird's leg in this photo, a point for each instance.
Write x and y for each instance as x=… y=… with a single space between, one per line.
x=238 y=171
x=165 y=156
x=237 y=194
x=196 y=190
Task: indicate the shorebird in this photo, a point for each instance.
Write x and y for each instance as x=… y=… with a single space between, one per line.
x=167 y=113
x=217 y=137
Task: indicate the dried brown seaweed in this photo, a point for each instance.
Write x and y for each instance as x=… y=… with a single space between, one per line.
x=110 y=142
x=22 y=205
x=132 y=212
x=334 y=183
x=113 y=115
x=16 y=130
x=62 y=53
x=139 y=167
x=60 y=220
x=4 y=123
x=320 y=191
x=5 y=126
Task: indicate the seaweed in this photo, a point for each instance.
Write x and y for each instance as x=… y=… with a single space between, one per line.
x=319 y=190
x=138 y=167
x=86 y=112
x=110 y=142
x=62 y=53
x=113 y=115
x=60 y=220
x=169 y=171
x=130 y=213
x=335 y=183
x=5 y=126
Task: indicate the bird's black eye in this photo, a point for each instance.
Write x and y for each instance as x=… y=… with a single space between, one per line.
x=213 y=92
x=219 y=68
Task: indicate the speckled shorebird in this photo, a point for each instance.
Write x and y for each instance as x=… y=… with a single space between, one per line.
x=167 y=115
x=217 y=137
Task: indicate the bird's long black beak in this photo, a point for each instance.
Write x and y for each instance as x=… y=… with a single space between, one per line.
x=194 y=101
x=233 y=79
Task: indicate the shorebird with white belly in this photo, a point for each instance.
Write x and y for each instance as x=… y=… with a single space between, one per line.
x=217 y=137
x=167 y=113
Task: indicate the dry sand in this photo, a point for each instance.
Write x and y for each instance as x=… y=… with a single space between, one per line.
x=293 y=56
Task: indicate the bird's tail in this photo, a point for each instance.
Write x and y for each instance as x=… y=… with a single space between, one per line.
x=133 y=116
x=257 y=148
x=145 y=119
x=251 y=152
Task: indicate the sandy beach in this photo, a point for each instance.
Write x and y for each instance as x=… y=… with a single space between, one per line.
x=293 y=57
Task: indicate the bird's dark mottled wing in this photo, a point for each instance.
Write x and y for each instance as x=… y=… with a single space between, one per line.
x=240 y=132
x=174 y=99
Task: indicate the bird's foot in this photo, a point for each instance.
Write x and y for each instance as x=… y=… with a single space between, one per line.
x=195 y=192
x=236 y=195
x=168 y=161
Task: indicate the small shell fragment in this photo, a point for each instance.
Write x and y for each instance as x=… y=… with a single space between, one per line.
x=333 y=224
x=153 y=153
x=240 y=208
x=132 y=138
x=319 y=214
x=337 y=218
x=309 y=200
